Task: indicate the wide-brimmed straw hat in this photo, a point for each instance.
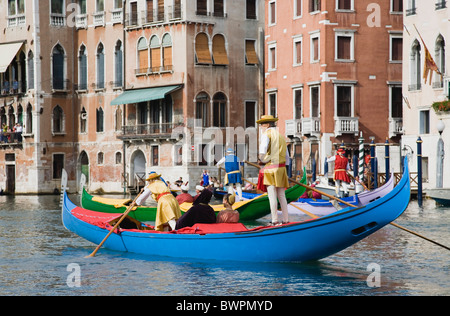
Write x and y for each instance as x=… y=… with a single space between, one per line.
x=267 y=119
x=152 y=175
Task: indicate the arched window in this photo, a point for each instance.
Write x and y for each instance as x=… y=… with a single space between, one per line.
x=58 y=120
x=415 y=66
x=82 y=71
x=167 y=52
x=11 y=117
x=100 y=67
x=220 y=110
x=29 y=123
x=100 y=158
x=118 y=119
x=155 y=54
x=219 y=50
x=142 y=56
x=30 y=66
x=58 y=59
x=118 y=158
x=439 y=53
x=202 y=53
x=118 y=58
x=202 y=109
x=83 y=121
x=100 y=120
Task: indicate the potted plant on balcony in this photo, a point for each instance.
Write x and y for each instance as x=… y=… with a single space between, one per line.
x=441 y=106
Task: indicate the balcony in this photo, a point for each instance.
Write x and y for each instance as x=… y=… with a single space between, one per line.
x=81 y=21
x=395 y=126
x=153 y=131
x=293 y=128
x=346 y=125
x=11 y=140
x=99 y=18
x=309 y=126
x=13 y=88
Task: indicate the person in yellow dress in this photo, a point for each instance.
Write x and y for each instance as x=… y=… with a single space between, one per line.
x=273 y=153
x=168 y=210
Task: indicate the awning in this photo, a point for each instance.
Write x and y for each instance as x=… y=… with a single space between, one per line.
x=143 y=95
x=7 y=53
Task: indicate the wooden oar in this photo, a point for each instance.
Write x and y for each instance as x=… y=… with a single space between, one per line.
x=419 y=235
x=305 y=211
x=309 y=188
x=129 y=209
x=362 y=183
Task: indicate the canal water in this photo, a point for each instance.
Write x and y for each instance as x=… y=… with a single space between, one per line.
x=38 y=256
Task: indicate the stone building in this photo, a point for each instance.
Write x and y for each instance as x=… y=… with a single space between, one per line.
x=427 y=27
x=115 y=89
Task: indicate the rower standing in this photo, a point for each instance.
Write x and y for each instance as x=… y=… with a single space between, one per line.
x=273 y=152
x=341 y=165
x=233 y=175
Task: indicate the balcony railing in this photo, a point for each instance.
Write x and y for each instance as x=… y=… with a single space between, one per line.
x=13 y=88
x=148 y=131
x=308 y=126
x=395 y=126
x=293 y=128
x=346 y=125
x=311 y=126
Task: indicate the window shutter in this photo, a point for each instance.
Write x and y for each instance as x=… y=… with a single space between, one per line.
x=156 y=59
x=219 y=50
x=202 y=49
x=167 y=51
x=250 y=52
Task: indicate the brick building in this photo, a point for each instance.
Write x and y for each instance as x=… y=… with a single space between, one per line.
x=333 y=70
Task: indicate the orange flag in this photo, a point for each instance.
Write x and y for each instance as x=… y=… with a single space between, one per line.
x=429 y=65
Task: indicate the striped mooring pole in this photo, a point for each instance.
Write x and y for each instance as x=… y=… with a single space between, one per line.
x=361 y=156
x=419 y=171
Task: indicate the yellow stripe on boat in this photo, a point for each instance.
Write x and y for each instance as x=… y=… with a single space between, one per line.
x=116 y=202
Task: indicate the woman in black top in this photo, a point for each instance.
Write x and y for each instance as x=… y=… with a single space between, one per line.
x=200 y=212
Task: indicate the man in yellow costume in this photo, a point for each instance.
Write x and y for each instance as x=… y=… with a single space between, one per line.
x=273 y=153
x=168 y=209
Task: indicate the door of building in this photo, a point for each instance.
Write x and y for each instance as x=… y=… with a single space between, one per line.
x=10 y=179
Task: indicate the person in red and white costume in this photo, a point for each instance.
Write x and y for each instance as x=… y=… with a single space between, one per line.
x=341 y=165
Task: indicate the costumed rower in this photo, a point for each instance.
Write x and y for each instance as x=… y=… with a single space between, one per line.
x=341 y=165
x=233 y=175
x=273 y=152
x=168 y=209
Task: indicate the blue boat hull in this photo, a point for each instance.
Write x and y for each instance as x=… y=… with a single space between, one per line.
x=296 y=242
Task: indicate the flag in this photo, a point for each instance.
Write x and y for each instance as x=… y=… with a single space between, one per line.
x=429 y=65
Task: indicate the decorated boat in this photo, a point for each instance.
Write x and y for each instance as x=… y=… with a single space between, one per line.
x=324 y=207
x=293 y=242
x=248 y=210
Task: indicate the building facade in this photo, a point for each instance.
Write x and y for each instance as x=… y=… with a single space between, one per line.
x=115 y=89
x=334 y=70
x=427 y=27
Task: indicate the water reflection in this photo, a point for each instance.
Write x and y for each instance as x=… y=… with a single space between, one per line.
x=36 y=250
